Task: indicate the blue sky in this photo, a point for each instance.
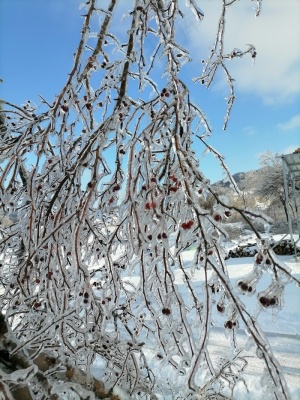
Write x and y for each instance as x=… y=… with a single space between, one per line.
x=38 y=39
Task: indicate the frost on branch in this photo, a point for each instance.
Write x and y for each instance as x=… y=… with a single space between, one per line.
x=101 y=194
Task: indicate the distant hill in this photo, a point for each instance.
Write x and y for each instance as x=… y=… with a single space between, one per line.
x=248 y=183
x=241 y=178
x=238 y=177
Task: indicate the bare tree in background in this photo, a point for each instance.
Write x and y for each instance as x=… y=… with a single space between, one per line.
x=270 y=186
x=90 y=250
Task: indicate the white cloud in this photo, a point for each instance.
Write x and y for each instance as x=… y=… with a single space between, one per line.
x=249 y=130
x=293 y=123
x=275 y=75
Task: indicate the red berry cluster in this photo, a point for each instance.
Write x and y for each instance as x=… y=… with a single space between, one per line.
x=85 y=297
x=220 y=308
x=230 y=324
x=244 y=287
x=24 y=279
x=214 y=288
x=218 y=217
x=164 y=93
x=90 y=63
x=49 y=275
x=166 y=311
x=187 y=225
x=64 y=108
x=259 y=258
x=121 y=115
x=148 y=206
x=116 y=188
x=266 y=302
x=176 y=186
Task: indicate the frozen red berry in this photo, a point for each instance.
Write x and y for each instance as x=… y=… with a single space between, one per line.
x=220 y=308
x=229 y=325
x=217 y=217
x=264 y=301
x=272 y=301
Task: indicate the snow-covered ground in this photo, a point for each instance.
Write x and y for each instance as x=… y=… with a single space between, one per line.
x=282 y=330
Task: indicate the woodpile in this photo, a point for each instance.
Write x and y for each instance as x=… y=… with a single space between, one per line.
x=242 y=251
x=283 y=248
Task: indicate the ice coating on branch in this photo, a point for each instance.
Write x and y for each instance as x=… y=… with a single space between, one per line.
x=259 y=216
x=122 y=395
x=247 y=285
x=22 y=376
x=272 y=297
x=195 y=9
x=72 y=390
x=6 y=221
